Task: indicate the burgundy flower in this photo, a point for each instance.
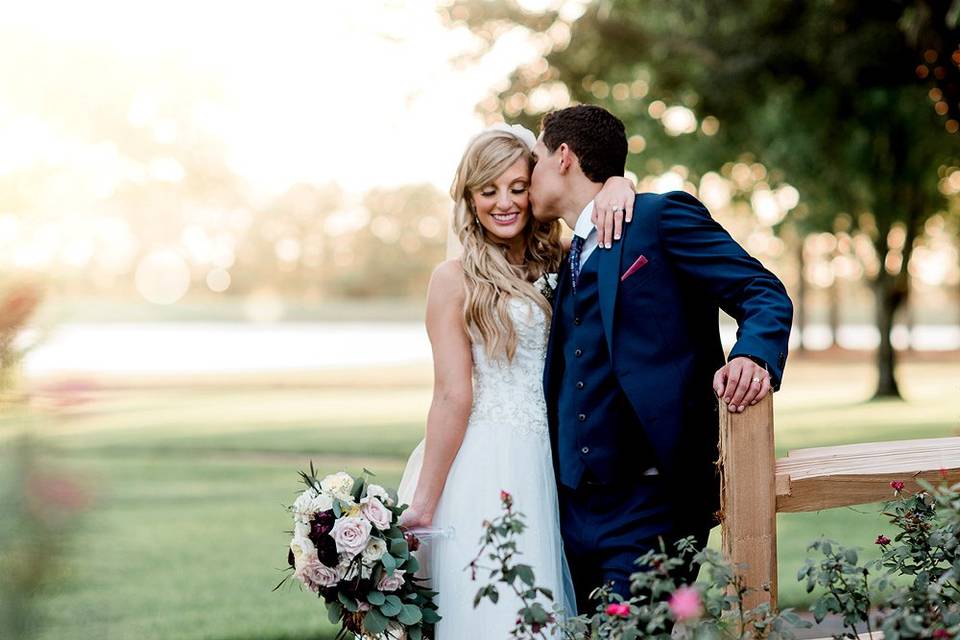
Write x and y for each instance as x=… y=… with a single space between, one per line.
x=326 y=550
x=941 y=633
x=506 y=499
x=413 y=542
x=882 y=540
x=321 y=524
x=897 y=485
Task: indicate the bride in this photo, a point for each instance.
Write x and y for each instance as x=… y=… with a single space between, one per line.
x=488 y=318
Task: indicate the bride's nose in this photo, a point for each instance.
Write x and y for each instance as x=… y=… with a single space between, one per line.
x=504 y=203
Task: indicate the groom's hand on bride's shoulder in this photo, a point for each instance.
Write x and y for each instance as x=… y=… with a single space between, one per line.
x=741 y=383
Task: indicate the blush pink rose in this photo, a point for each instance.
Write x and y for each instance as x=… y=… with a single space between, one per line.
x=378 y=515
x=618 y=609
x=685 y=604
x=351 y=535
x=314 y=574
x=391 y=583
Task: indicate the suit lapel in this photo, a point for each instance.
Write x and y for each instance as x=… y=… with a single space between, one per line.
x=608 y=276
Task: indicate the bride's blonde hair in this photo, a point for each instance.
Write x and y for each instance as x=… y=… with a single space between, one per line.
x=490 y=278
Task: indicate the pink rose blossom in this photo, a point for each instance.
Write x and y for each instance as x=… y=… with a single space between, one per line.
x=315 y=574
x=882 y=540
x=391 y=583
x=685 y=604
x=351 y=535
x=378 y=515
x=618 y=609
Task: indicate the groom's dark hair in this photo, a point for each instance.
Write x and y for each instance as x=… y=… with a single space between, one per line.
x=595 y=135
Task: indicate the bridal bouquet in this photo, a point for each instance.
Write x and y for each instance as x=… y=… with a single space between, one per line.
x=348 y=548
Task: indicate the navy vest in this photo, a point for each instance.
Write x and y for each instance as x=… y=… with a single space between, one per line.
x=598 y=429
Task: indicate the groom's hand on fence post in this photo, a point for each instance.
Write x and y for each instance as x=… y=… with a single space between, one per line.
x=741 y=383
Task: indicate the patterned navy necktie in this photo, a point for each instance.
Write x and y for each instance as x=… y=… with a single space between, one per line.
x=575 y=248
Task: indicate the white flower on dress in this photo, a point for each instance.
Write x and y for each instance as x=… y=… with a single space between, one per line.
x=351 y=534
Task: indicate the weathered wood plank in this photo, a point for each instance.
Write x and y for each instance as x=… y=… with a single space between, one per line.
x=749 y=497
x=826 y=477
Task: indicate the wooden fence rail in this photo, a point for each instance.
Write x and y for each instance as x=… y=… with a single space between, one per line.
x=756 y=485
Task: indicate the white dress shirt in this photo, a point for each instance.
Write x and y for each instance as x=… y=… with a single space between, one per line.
x=585 y=229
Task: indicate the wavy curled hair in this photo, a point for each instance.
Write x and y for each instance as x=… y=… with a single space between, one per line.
x=491 y=280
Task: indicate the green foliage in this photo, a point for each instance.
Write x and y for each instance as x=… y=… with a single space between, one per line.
x=832 y=97
x=871 y=593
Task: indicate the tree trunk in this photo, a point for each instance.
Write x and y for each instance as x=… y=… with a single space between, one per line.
x=887 y=302
x=801 y=294
x=833 y=295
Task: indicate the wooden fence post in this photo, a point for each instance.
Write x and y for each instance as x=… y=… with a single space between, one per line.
x=749 y=498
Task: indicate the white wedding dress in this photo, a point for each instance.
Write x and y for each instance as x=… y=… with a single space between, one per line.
x=506 y=447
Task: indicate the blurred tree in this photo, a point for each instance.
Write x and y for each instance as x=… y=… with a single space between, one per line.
x=395 y=252
x=832 y=95
x=287 y=247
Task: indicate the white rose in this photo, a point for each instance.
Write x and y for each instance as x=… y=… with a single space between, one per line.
x=374 y=511
x=381 y=494
x=337 y=484
x=321 y=502
x=302 y=547
x=301 y=529
x=374 y=550
x=302 y=506
x=351 y=535
x=391 y=583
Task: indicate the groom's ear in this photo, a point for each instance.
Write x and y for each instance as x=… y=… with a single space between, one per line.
x=566 y=158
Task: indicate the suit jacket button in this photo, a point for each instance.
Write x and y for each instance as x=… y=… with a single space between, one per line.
x=578 y=352
x=580 y=384
x=585 y=450
x=582 y=417
x=576 y=321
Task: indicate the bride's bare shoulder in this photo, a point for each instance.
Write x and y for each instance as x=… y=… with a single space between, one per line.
x=447 y=280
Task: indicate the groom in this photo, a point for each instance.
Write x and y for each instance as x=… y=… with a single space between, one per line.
x=634 y=366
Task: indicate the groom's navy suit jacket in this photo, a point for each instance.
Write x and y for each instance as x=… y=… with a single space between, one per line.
x=660 y=290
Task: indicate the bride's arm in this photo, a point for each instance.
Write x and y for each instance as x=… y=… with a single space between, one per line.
x=452 y=390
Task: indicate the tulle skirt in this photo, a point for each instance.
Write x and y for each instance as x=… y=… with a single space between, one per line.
x=492 y=458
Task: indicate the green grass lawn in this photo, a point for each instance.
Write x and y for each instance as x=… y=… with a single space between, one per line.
x=186 y=533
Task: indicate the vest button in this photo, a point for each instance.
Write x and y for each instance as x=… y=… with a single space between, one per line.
x=576 y=321
x=578 y=352
x=585 y=450
x=582 y=417
x=580 y=384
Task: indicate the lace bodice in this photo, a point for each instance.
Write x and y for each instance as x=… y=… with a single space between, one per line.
x=509 y=395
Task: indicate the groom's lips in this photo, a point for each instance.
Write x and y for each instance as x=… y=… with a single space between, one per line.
x=505 y=219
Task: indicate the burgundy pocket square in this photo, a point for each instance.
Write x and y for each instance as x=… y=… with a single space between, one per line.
x=636 y=266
